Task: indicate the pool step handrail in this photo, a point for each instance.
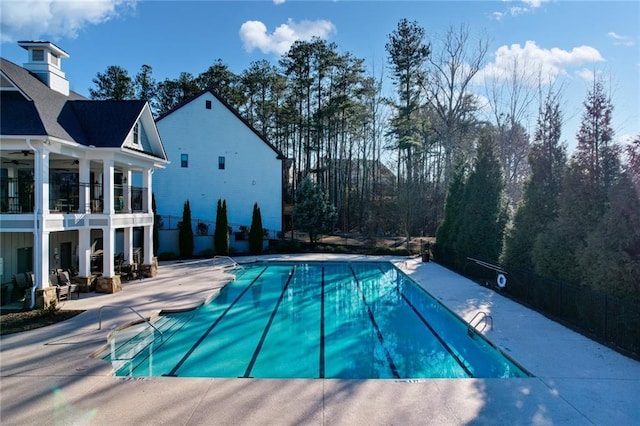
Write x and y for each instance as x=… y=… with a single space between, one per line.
x=232 y=265
x=479 y=318
x=132 y=310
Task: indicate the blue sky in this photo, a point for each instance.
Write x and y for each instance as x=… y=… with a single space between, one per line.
x=568 y=40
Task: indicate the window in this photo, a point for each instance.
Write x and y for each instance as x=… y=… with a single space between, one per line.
x=55 y=60
x=221 y=163
x=37 y=55
x=184 y=160
x=136 y=134
x=207 y=104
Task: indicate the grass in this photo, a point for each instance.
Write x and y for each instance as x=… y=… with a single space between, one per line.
x=16 y=322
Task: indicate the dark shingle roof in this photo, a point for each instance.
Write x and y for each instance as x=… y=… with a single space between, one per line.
x=19 y=116
x=106 y=121
x=74 y=117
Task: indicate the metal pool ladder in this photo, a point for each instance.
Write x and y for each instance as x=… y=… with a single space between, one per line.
x=480 y=318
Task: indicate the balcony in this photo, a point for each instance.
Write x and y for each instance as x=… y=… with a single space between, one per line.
x=16 y=195
x=126 y=199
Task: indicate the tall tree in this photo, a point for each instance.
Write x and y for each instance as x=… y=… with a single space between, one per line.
x=171 y=93
x=221 y=233
x=610 y=259
x=312 y=211
x=483 y=215
x=408 y=54
x=256 y=233
x=186 y=232
x=114 y=84
x=539 y=206
x=221 y=79
x=595 y=152
x=593 y=168
x=633 y=161
x=156 y=226
x=449 y=229
x=146 y=87
x=452 y=70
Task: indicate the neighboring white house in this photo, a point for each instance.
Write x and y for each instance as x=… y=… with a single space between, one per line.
x=215 y=154
x=75 y=176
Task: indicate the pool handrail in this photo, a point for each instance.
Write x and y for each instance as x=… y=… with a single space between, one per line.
x=134 y=311
x=233 y=262
x=481 y=317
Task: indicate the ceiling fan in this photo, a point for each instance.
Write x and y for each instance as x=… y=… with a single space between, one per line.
x=15 y=162
x=24 y=152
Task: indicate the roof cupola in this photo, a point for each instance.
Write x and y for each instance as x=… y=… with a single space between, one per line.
x=44 y=62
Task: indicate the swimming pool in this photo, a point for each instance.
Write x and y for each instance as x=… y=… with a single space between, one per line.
x=354 y=320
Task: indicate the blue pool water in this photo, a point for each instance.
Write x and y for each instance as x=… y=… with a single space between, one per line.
x=312 y=320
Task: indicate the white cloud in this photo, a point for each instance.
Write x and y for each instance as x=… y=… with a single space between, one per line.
x=586 y=74
x=534 y=3
x=254 y=34
x=278 y=1
x=525 y=6
x=620 y=40
x=547 y=63
x=33 y=19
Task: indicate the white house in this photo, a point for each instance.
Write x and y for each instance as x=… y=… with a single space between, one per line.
x=75 y=176
x=215 y=154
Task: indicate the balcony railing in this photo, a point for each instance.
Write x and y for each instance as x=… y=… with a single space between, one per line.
x=66 y=200
x=16 y=195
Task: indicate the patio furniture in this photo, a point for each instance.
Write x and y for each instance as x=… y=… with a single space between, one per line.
x=62 y=291
x=63 y=279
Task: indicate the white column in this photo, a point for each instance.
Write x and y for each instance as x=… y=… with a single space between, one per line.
x=128 y=245
x=84 y=252
x=148 y=245
x=41 y=258
x=107 y=186
x=84 y=178
x=108 y=247
x=148 y=193
x=41 y=182
x=126 y=193
x=41 y=209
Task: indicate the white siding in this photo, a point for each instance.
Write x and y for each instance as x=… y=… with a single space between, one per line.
x=252 y=171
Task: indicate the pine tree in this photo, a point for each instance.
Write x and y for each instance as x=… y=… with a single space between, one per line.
x=186 y=232
x=114 y=84
x=156 y=225
x=539 y=206
x=446 y=235
x=610 y=260
x=256 y=232
x=483 y=214
x=312 y=211
x=221 y=234
x=593 y=169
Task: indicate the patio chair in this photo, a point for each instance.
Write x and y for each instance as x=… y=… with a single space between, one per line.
x=21 y=284
x=63 y=279
x=62 y=291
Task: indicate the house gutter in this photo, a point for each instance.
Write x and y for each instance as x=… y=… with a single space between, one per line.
x=36 y=224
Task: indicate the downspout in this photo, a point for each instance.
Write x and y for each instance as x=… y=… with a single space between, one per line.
x=36 y=224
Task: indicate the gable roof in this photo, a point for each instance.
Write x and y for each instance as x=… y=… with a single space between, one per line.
x=234 y=111
x=37 y=110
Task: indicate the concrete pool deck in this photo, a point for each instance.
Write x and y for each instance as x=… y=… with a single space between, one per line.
x=48 y=377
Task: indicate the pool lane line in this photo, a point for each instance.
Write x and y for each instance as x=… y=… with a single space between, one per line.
x=392 y=365
x=437 y=336
x=321 y=367
x=173 y=371
x=254 y=357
